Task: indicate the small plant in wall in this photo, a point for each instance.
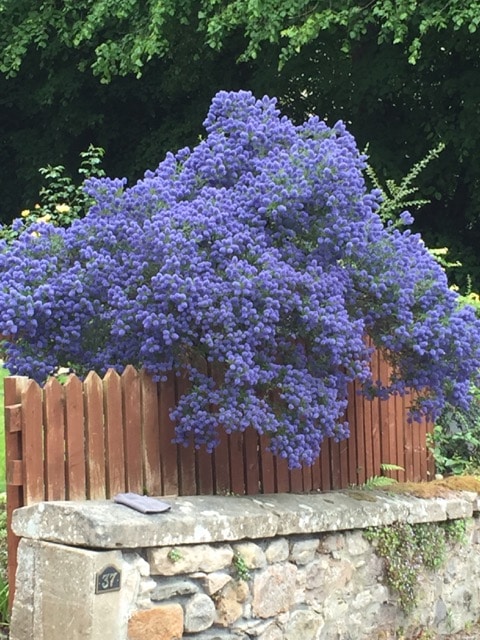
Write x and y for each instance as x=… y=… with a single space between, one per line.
x=382 y=481
x=456 y=530
x=406 y=549
x=174 y=555
x=241 y=568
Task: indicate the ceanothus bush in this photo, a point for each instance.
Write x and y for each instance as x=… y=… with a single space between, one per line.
x=259 y=254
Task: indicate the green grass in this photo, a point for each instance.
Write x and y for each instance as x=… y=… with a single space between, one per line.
x=3 y=374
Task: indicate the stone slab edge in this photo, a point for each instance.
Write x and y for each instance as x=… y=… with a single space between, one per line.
x=203 y=519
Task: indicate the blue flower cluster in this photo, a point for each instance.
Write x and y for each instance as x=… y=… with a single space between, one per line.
x=259 y=255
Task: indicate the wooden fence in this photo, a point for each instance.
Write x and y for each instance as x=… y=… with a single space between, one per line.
x=96 y=438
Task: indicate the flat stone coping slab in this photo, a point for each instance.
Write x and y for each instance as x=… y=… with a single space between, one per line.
x=104 y=524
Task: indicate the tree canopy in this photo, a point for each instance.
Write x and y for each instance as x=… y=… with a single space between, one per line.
x=121 y=38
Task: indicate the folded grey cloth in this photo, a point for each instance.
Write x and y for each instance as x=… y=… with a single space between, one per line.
x=144 y=504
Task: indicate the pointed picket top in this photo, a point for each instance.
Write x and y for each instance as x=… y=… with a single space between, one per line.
x=111 y=388
x=129 y=374
x=92 y=379
x=73 y=382
x=31 y=388
x=111 y=374
x=54 y=384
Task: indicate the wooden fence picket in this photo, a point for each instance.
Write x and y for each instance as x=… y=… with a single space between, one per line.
x=324 y=463
x=54 y=440
x=75 y=463
x=132 y=430
x=267 y=466
x=166 y=435
x=282 y=476
x=186 y=454
x=316 y=475
x=237 y=468
x=32 y=440
x=114 y=441
x=95 y=439
x=221 y=455
x=151 y=444
x=352 y=441
x=251 y=450
x=375 y=416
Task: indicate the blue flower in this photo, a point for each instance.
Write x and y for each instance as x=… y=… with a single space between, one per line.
x=258 y=253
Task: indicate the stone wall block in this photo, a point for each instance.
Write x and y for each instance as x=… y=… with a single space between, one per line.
x=136 y=583
x=326 y=575
x=356 y=544
x=272 y=633
x=432 y=510
x=253 y=627
x=300 y=585
x=137 y=562
x=168 y=588
x=64 y=603
x=22 y=621
x=334 y=607
x=213 y=582
x=277 y=550
x=145 y=591
x=164 y=622
x=304 y=624
x=228 y=611
x=369 y=569
x=199 y=613
x=331 y=543
x=252 y=554
x=274 y=590
x=303 y=551
x=373 y=597
x=229 y=603
x=189 y=559
x=458 y=508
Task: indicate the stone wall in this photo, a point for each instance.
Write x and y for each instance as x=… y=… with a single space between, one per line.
x=294 y=567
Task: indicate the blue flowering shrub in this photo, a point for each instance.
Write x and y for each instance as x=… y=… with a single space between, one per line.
x=260 y=252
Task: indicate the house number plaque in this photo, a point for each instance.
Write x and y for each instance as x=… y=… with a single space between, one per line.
x=107 y=580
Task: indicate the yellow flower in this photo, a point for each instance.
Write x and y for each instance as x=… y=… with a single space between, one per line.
x=25 y=213
x=37 y=206
x=62 y=208
x=46 y=218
